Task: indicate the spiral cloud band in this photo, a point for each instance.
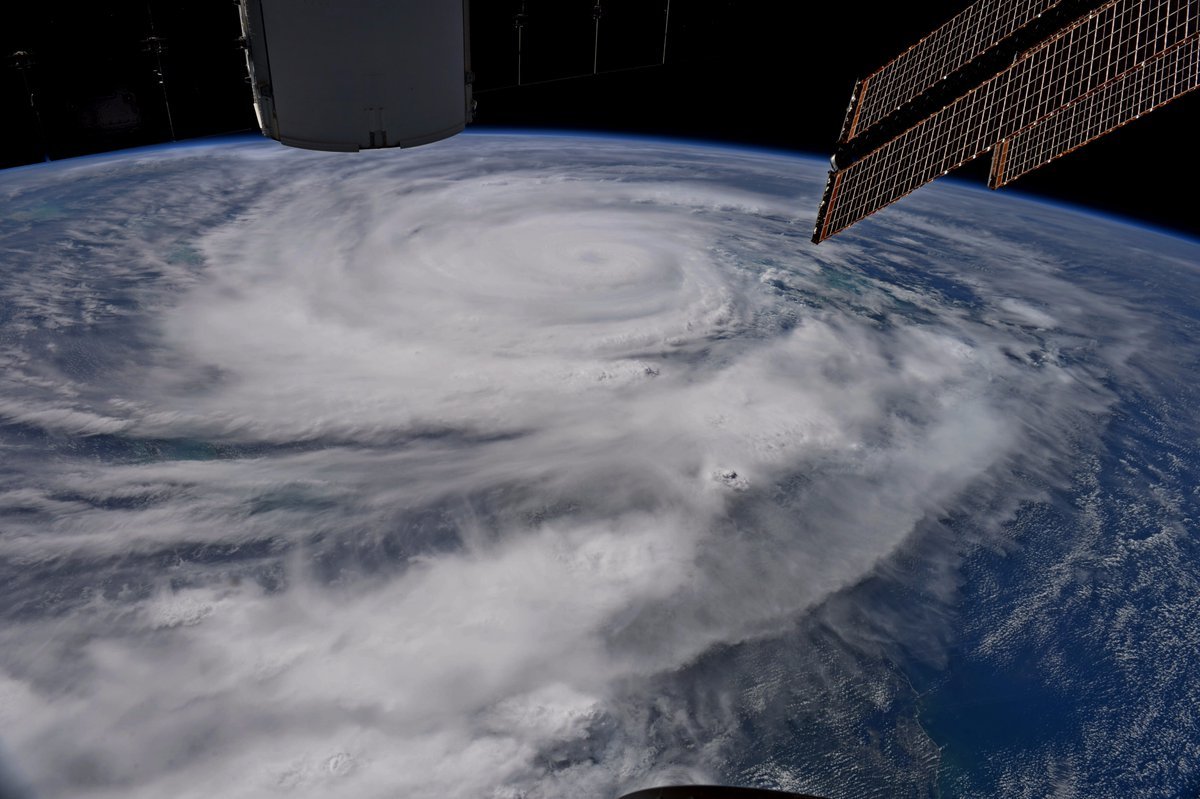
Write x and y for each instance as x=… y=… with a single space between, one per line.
x=445 y=472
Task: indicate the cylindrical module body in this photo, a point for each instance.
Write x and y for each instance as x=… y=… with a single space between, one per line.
x=355 y=74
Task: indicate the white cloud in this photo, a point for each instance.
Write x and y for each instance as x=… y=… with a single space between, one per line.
x=561 y=427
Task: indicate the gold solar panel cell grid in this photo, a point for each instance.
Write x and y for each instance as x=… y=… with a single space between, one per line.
x=1091 y=54
x=963 y=38
x=1158 y=81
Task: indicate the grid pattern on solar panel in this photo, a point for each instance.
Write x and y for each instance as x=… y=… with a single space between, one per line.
x=1155 y=83
x=1090 y=53
x=964 y=38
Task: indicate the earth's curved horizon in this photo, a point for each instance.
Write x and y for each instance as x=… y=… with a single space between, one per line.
x=560 y=466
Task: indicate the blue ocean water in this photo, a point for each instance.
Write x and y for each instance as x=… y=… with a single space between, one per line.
x=198 y=456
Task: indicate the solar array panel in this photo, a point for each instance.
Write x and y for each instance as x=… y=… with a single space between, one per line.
x=1152 y=84
x=951 y=137
x=1101 y=53
x=964 y=38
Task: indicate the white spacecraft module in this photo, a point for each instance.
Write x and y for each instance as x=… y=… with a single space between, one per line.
x=349 y=75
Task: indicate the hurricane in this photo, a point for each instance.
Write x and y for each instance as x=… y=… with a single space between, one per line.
x=536 y=466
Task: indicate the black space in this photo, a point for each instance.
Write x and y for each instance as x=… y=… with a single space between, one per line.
x=751 y=72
